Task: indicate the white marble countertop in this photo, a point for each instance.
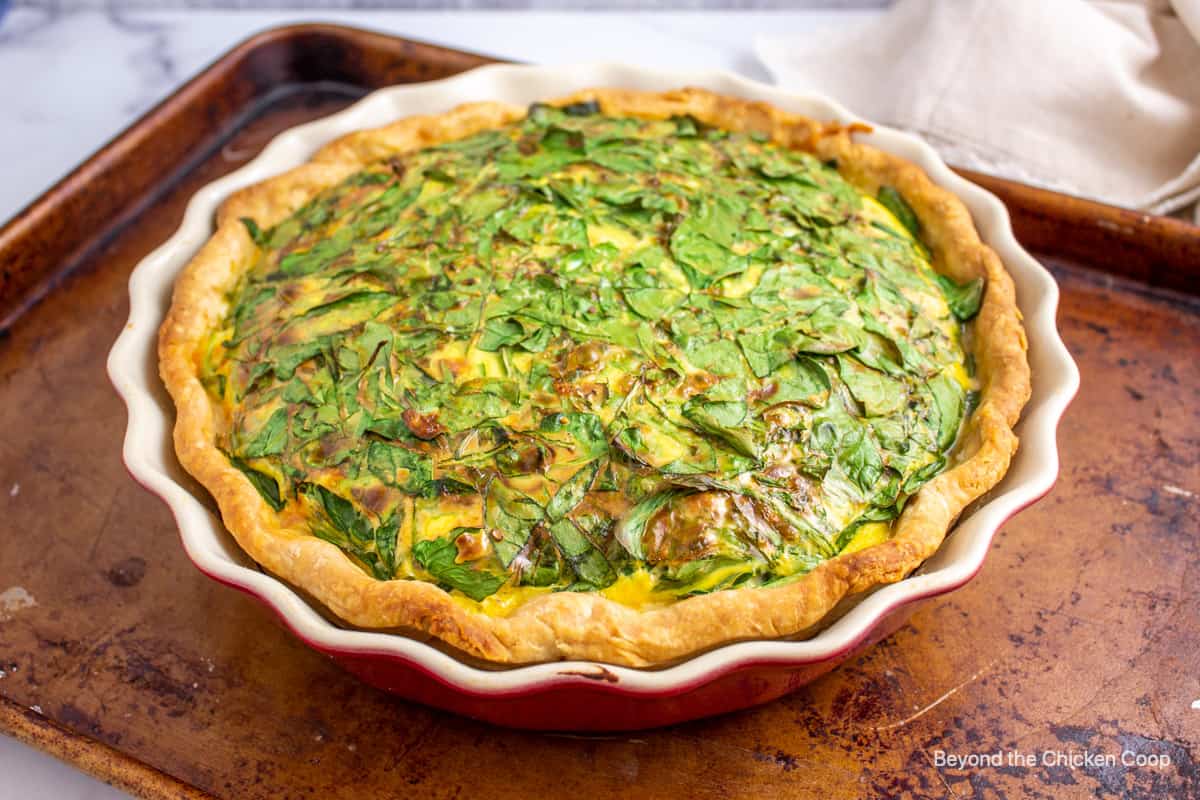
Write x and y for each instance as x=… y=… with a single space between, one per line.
x=73 y=80
x=84 y=76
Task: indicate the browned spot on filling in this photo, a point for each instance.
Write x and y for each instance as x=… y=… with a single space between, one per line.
x=686 y=529
x=783 y=418
x=760 y=524
x=699 y=383
x=423 y=426
x=288 y=293
x=612 y=505
x=331 y=445
x=375 y=499
x=521 y=458
x=582 y=358
x=471 y=546
x=592 y=395
x=763 y=392
x=800 y=485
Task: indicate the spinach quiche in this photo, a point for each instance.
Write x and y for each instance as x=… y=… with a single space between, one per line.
x=622 y=376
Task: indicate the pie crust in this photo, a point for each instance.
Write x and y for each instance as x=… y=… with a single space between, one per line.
x=579 y=625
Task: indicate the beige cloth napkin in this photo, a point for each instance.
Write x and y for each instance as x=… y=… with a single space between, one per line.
x=1097 y=99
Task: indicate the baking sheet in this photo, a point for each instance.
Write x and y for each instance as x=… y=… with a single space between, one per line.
x=1080 y=634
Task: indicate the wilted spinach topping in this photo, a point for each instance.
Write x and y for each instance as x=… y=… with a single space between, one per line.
x=583 y=347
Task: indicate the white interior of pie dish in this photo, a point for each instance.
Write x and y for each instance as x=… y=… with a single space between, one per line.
x=149 y=454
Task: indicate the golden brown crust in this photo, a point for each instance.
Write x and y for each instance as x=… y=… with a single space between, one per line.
x=568 y=625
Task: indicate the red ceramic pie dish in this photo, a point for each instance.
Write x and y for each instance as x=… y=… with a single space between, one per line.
x=584 y=696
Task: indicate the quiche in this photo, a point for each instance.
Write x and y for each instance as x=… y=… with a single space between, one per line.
x=622 y=377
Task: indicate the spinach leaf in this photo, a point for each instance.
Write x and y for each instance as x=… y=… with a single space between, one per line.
x=860 y=460
x=581 y=109
x=588 y=563
x=964 y=299
x=802 y=380
x=512 y=515
x=686 y=125
x=768 y=351
x=586 y=429
x=725 y=420
x=632 y=527
x=478 y=145
x=437 y=556
x=539 y=340
x=547 y=569
x=701 y=242
x=802 y=532
x=343 y=515
x=705 y=575
x=653 y=304
x=923 y=475
x=287 y=357
x=257 y=234
x=346 y=528
x=342 y=314
x=761 y=353
x=244 y=322
x=572 y=491
x=262 y=482
x=385 y=546
x=719 y=356
x=948 y=402
x=879 y=394
x=270 y=438
x=499 y=333
x=398 y=466
x=894 y=202
x=320 y=255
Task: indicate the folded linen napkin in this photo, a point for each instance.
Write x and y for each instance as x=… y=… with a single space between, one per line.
x=1096 y=99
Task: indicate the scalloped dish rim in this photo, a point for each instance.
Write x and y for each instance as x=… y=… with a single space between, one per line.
x=150 y=458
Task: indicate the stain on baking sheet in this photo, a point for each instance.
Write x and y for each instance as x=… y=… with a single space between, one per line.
x=13 y=600
x=127 y=572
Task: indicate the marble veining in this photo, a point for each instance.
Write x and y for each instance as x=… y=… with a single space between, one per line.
x=86 y=73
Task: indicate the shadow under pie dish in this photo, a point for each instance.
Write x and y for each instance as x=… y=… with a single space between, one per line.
x=621 y=377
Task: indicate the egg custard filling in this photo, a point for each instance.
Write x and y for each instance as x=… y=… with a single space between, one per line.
x=584 y=352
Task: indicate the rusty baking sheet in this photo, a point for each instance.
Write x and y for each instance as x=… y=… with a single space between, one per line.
x=1080 y=635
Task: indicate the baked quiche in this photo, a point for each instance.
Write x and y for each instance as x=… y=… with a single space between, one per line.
x=622 y=376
